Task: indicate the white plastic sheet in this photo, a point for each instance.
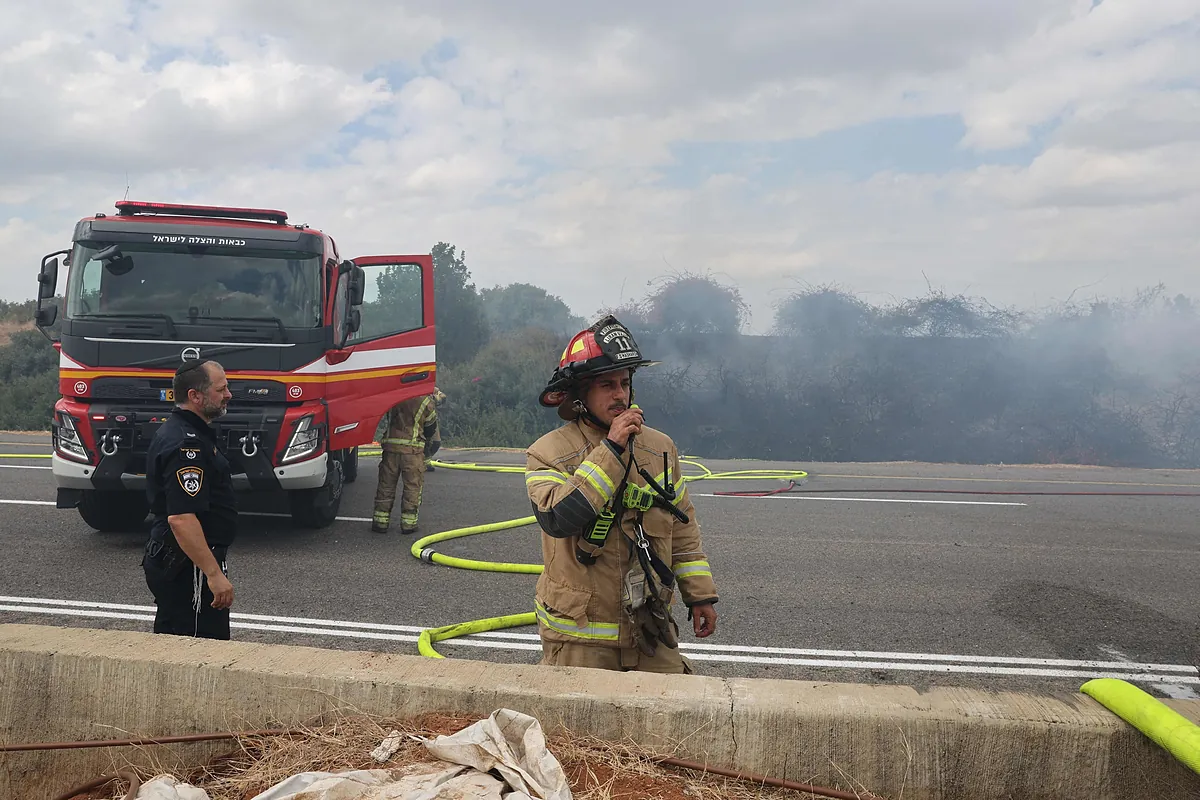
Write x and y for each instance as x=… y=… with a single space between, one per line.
x=164 y=787
x=513 y=744
x=415 y=782
x=508 y=743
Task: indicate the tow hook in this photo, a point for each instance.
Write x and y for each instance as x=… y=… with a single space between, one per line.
x=249 y=444
x=108 y=444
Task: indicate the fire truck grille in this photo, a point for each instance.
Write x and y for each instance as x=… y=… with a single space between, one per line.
x=123 y=389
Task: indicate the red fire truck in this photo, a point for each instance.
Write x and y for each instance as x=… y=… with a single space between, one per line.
x=316 y=348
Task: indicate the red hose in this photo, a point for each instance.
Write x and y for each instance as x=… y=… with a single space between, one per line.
x=206 y=737
x=792 y=490
x=194 y=737
x=135 y=783
x=763 y=780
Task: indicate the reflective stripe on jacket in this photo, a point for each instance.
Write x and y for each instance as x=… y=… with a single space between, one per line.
x=407 y=422
x=571 y=474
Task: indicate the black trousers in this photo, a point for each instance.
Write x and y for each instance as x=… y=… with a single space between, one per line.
x=184 y=600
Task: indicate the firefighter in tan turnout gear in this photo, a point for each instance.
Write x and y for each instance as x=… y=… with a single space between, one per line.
x=433 y=442
x=619 y=532
x=411 y=433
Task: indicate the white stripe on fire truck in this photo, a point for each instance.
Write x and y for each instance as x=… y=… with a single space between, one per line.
x=374 y=359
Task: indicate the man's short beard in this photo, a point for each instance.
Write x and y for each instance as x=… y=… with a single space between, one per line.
x=214 y=411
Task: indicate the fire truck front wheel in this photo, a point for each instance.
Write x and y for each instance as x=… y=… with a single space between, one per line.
x=318 y=508
x=110 y=512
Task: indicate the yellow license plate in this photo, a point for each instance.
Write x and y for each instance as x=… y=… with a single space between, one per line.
x=166 y=395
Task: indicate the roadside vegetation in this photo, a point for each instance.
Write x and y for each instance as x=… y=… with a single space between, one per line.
x=940 y=377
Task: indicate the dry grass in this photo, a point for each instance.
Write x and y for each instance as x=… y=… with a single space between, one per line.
x=7 y=329
x=597 y=770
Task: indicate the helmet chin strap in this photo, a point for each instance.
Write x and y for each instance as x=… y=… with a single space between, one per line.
x=587 y=414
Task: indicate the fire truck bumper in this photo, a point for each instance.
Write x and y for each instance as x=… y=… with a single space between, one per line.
x=71 y=475
x=305 y=475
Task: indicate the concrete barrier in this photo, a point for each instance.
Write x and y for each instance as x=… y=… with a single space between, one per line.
x=76 y=683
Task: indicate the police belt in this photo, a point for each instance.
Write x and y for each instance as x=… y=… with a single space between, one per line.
x=168 y=556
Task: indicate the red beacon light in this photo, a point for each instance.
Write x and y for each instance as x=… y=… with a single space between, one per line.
x=131 y=208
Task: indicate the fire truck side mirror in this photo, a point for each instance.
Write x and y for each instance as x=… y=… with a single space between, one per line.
x=353 y=321
x=358 y=286
x=46 y=316
x=48 y=278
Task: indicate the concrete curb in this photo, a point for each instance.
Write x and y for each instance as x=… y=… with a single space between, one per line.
x=77 y=683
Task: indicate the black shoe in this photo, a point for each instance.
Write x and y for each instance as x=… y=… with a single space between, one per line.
x=408 y=531
x=377 y=528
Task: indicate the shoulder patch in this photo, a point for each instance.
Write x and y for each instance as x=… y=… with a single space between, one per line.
x=190 y=479
x=190 y=453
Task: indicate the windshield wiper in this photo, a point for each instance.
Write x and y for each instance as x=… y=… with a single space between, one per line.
x=148 y=315
x=276 y=320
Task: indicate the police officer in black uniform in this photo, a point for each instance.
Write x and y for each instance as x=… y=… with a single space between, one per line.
x=190 y=487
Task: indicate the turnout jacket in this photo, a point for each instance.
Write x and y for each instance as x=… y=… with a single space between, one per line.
x=571 y=475
x=409 y=423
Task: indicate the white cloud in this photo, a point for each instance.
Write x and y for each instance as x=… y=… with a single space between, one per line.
x=534 y=135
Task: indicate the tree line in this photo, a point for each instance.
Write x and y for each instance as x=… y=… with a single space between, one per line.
x=939 y=377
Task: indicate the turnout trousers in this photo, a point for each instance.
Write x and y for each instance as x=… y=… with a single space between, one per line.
x=393 y=467
x=622 y=659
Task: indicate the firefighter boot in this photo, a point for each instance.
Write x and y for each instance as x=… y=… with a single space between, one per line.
x=379 y=522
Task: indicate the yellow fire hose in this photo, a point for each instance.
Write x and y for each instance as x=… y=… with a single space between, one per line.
x=423 y=550
x=1172 y=731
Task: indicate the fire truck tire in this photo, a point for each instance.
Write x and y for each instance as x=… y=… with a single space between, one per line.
x=350 y=464
x=318 y=508
x=110 y=512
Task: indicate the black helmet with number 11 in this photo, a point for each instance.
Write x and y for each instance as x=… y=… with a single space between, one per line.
x=606 y=346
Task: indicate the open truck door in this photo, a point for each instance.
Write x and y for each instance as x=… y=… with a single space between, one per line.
x=383 y=343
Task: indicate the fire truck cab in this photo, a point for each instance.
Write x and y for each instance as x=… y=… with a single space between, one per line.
x=316 y=350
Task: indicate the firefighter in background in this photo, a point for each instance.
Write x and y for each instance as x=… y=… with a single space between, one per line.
x=619 y=532
x=410 y=425
x=433 y=443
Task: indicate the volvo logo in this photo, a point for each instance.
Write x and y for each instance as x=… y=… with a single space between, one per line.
x=190 y=354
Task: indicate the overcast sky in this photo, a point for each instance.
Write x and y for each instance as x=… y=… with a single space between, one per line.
x=1016 y=150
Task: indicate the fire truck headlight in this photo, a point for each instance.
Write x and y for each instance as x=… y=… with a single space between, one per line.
x=67 y=441
x=306 y=441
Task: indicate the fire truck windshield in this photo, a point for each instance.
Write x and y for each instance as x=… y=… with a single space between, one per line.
x=188 y=283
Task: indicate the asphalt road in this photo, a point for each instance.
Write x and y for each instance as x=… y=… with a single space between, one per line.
x=1002 y=591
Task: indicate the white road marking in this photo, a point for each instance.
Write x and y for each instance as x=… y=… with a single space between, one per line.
x=863 y=500
x=21 y=466
x=243 y=513
x=1172 y=690
x=289 y=516
x=743 y=654
x=235 y=622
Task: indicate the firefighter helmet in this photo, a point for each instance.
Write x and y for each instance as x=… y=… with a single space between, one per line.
x=604 y=347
